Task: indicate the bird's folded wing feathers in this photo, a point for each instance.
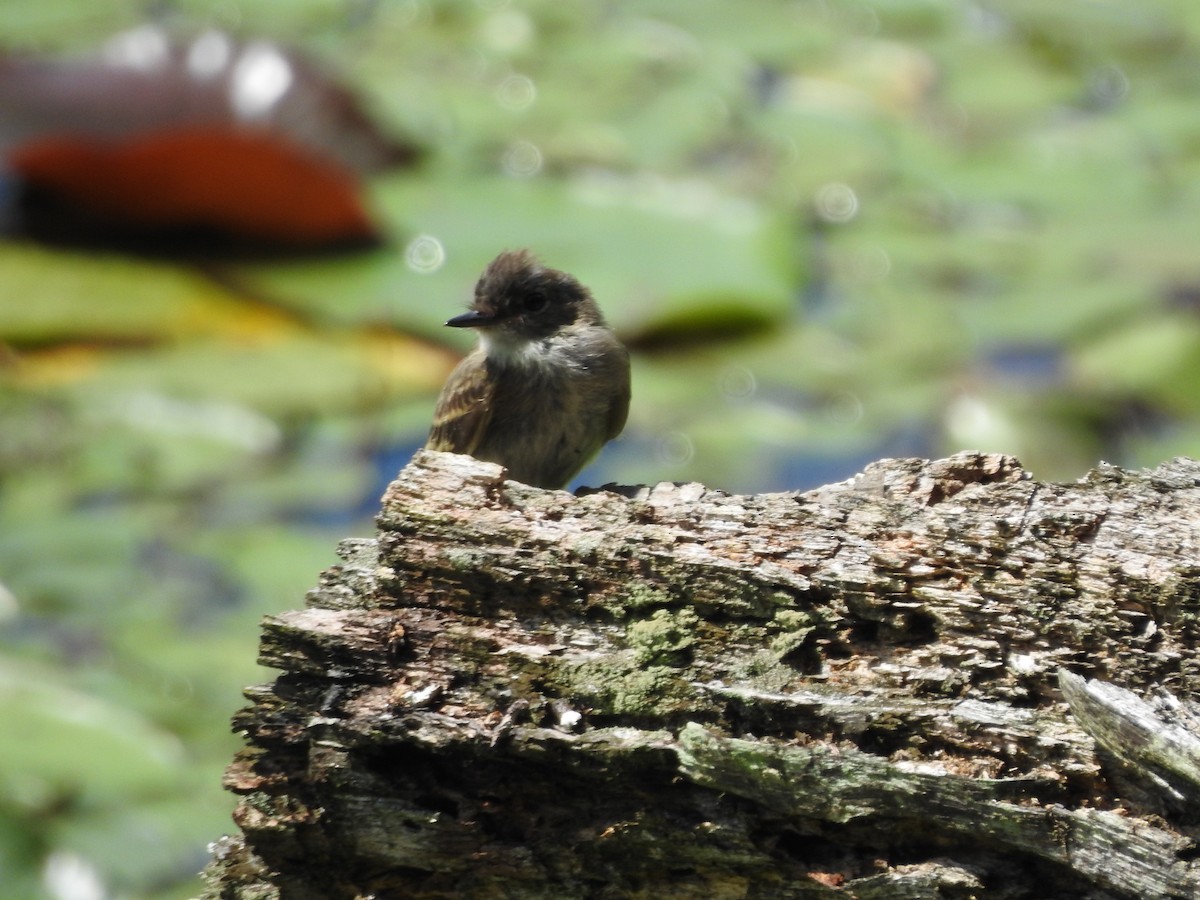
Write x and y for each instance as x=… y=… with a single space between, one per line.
x=463 y=411
x=618 y=412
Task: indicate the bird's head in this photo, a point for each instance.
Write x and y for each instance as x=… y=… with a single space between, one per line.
x=518 y=300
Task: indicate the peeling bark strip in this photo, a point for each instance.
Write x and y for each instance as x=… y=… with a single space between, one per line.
x=936 y=679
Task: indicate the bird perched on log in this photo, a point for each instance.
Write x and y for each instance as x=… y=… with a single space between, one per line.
x=548 y=383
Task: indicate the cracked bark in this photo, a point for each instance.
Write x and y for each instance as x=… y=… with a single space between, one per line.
x=936 y=679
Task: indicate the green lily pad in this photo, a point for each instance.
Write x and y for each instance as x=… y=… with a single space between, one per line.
x=648 y=247
x=78 y=741
x=57 y=295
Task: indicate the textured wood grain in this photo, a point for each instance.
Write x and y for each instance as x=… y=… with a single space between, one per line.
x=676 y=692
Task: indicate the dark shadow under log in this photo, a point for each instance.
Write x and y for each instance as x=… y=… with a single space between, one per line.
x=936 y=679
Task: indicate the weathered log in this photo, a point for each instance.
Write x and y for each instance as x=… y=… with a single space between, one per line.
x=936 y=679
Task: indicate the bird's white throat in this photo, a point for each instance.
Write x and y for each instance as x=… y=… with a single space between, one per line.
x=549 y=355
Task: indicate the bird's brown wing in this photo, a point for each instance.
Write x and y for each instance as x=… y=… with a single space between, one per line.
x=464 y=408
x=618 y=412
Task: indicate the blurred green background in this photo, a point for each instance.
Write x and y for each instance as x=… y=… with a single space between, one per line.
x=831 y=232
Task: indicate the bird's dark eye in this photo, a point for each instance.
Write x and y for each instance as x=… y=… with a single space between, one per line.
x=534 y=301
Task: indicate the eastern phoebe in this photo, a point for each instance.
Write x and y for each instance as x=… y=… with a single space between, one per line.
x=548 y=383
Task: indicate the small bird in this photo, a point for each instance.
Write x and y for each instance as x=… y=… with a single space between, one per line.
x=548 y=384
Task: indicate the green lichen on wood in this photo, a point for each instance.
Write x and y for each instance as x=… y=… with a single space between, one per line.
x=634 y=598
x=794 y=630
x=622 y=686
x=664 y=638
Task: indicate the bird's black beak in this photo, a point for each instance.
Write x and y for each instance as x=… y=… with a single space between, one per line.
x=472 y=319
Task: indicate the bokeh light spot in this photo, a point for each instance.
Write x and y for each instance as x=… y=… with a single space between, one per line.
x=145 y=48
x=522 y=160
x=424 y=254
x=737 y=383
x=676 y=449
x=836 y=202
x=260 y=78
x=516 y=92
x=209 y=54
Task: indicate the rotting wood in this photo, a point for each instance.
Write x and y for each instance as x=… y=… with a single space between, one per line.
x=936 y=679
